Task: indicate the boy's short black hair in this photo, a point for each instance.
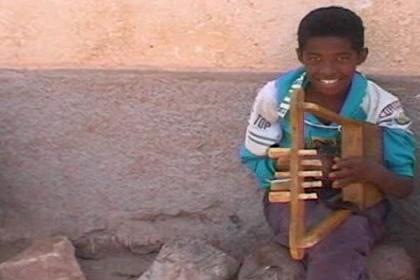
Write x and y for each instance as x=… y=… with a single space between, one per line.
x=332 y=21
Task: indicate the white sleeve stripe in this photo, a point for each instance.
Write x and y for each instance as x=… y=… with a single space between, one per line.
x=258 y=142
x=262 y=137
x=390 y=120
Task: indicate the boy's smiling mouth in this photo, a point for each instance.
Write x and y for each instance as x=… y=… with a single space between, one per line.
x=329 y=82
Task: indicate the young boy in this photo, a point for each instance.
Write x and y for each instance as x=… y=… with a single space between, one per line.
x=330 y=47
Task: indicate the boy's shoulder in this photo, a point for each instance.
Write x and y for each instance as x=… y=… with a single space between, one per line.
x=272 y=94
x=383 y=107
x=275 y=90
x=376 y=91
x=266 y=103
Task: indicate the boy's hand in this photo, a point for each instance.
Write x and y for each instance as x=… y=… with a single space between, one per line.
x=353 y=170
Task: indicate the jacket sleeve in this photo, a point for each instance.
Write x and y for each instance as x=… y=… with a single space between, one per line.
x=399 y=141
x=400 y=151
x=385 y=109
x=263 y=131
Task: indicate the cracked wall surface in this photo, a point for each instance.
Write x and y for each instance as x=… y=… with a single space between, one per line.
x=185 y=34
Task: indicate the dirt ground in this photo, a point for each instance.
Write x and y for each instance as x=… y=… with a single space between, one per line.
x=121 y=266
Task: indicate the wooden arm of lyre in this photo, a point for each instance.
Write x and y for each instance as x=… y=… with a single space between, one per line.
x=324 y=228
x=357 y=139
x=327 y=114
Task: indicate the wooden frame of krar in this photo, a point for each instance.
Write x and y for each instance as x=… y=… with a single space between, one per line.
x=359 y=139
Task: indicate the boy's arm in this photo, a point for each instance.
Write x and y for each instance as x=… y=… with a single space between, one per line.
x=352 y=170
x=396 y=177
x=263 y=131
x=261 y=166
x=400 y=159
x=393 y=184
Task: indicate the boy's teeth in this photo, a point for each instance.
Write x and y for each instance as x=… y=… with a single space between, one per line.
x=329 y=81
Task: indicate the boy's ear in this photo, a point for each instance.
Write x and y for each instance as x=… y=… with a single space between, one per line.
x=299 y=55
x=363 y=55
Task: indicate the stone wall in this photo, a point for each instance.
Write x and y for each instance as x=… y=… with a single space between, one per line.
x=136 y=158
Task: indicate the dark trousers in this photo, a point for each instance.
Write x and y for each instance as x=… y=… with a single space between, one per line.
x=342 y=255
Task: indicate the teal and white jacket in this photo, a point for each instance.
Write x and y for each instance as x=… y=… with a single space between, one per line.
x=269 y=124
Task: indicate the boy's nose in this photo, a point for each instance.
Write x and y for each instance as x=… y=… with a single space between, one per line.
x=327 y=69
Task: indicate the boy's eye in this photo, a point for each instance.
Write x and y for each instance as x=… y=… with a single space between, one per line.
x=313 y=59
x=343 y=58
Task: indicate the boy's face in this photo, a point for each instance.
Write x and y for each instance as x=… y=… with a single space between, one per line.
x=330 y=63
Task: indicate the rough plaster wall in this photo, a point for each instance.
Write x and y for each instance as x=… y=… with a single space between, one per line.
x=140 y=157
x=238 y=34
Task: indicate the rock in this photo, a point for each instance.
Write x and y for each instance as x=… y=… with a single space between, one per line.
x=390 y=262
x=95 y=245
x=46 y=259
x=271 y=262
x=191 y=259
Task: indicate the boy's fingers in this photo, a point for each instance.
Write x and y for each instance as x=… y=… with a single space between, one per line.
x=342 y=173
x=338 y=184
x=345 y=163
